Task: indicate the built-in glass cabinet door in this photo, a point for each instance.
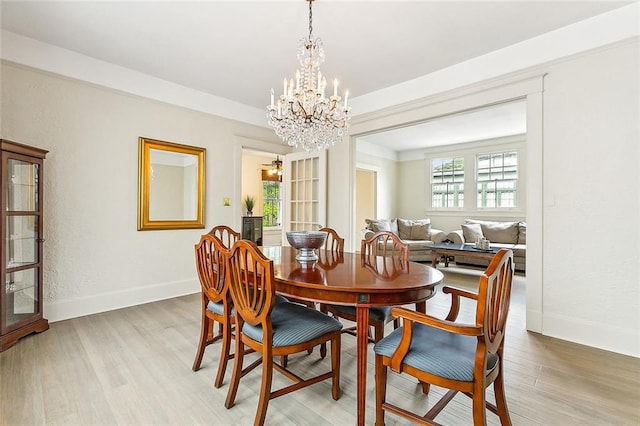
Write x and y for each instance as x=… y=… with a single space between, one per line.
x=21 y=240
x=21 y=298
x=22 y=185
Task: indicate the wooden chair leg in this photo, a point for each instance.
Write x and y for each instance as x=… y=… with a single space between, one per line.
x=265 y=386
x=224 y=354
x=479 y=405
x=323 y=347
x=335 y=366
x=238 y=359
x=381 y=390
x=204 y=329
x=501 y=399
x=378 y=331
x=396 y=323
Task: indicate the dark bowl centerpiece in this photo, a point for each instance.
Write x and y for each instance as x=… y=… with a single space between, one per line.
x=306 y=242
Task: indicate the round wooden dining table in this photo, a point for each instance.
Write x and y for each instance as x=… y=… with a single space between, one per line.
x=347 y=279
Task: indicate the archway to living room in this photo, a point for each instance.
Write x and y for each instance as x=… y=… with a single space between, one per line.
x=528 y=92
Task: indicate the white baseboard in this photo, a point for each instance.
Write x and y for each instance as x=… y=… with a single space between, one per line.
x=592 y=333
x=534 y=321
x=72 y=308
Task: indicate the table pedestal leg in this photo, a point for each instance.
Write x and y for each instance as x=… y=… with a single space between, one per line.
x=362 y=338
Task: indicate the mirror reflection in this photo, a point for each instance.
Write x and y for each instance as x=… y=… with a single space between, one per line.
x=171 y=185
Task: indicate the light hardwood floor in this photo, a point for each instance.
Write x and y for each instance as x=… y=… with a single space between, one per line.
x=133 y=367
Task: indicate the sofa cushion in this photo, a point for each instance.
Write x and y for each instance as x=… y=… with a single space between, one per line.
x=409 y=229
x=522 y=233
x=415 y=245
x=472 y=232
x=500 y=232
x=381 y=225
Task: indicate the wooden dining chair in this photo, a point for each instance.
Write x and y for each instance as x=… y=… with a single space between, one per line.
x=273 y=329
x=334 y=242
x=216 y=302
x=390 y=246
x=226 y=234
x=226 y=237
x=463 y=358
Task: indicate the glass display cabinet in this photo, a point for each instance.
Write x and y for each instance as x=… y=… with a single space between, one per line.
x=21 y=234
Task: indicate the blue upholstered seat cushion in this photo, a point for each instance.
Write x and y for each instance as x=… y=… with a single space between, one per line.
x=377 y=313
x=217 y=308
x=437 y=352
x=293 y=324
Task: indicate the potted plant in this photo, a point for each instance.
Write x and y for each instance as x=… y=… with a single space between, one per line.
x=249 y=202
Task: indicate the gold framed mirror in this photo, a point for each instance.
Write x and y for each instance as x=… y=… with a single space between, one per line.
x=170 y=185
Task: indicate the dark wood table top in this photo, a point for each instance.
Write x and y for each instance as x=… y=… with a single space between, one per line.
x=346 y=279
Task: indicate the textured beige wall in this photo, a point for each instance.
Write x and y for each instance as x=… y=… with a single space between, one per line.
x=95 y=259
x=592 y=199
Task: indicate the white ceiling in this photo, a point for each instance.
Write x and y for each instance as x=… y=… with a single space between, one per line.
x=240 y=49
x=497 y=121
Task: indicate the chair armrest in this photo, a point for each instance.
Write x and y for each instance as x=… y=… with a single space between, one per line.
x=409 y=317
x=437 y=235
x=456 y=293
x=456 y=236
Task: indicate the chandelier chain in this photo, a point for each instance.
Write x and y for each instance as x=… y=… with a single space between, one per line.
x=310 y=19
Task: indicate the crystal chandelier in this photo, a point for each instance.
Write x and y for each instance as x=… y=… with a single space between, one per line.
x=303 y=116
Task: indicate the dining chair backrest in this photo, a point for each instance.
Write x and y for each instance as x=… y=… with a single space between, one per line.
x=385 y=244
x=332 y=253
x=211 y=266
x=226 y=235
x=250 y=276
x=334 y=242
x=385 y=268
x=494 y=295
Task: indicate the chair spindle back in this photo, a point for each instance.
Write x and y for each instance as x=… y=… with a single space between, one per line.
x=226 y=235
x=211 y=266
x=250 y=276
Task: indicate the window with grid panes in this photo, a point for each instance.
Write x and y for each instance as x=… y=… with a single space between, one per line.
x=272 y=203
x=447 y=182
x=497 y=180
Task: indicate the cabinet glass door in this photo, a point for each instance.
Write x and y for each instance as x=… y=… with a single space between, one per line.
x=21 y=241
x=21 y=251
x=22 y=185
x=21 y=295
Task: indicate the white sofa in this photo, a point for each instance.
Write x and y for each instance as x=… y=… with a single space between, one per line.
x=511 y=235
x=417 y=233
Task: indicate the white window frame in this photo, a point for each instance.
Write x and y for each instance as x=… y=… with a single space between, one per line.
x=477 y=180
x=470 y=152
x=431 y=183
x=280 y=217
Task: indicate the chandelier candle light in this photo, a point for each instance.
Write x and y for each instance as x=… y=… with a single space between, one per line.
x=303 y=116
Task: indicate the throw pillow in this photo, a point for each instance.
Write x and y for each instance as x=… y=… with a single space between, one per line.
x=471 y=232
x=404 y=228
x=420 y=232
x=498 y=232
x=380 y=225
x=406 y=231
